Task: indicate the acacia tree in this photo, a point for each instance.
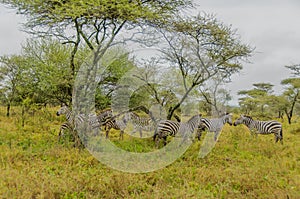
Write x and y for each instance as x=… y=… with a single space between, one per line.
x=18 y=83
x=292 y=91
x=46 y=59
x=10 y=76
x=95 y=24
x=198 y=48
x=216 y=96
x=256 y=99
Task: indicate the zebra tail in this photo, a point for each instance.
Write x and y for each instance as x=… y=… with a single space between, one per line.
x=281 y=135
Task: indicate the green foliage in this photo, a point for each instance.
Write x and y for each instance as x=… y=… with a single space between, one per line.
x=197 y=49
x=34 y=165
x=292 y=91
x=260 y=101
x=93 y=27
x=56 y=11
x=42 y=73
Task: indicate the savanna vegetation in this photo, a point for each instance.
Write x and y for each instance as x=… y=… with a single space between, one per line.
x=192 y=58
x=35 y=165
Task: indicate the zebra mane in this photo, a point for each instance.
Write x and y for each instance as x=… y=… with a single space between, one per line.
x=105 y=110
x=198 y=115
x=133 y=113
x=247 y=116
x=226 y=113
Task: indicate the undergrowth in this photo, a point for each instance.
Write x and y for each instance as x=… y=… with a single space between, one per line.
x=34 y=164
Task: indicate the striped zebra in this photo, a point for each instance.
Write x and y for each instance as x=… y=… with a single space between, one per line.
x=113 y=123
x=139 y=123
x=74 y=122
x=261 y=127
x=104 y=116
x=214 y=125
x=63 y=128
x=168 y=127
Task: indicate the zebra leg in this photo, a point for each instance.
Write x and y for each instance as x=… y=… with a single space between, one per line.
x=77 y=142
x=133 y=131
x=59 y=134
x=95 y=131
x=281 y=136
x=165 y=140
x=216 y=135
x=106 y=133
x=141 y=133
x=121 y=134
x=156 y=139
x=155 y=135
x=199 y=134
x=278 y=137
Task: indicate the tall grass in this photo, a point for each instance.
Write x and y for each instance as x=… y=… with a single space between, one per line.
x=34 y=165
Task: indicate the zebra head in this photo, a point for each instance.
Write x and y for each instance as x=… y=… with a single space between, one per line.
x=63 y=110
x=196 y=119
x=243 y=119
x=105 y=115
x=227 y=118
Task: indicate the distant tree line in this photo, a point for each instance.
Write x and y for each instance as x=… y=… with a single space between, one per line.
x=261 y=100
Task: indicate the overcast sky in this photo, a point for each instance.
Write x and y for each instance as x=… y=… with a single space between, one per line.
x=271 y=26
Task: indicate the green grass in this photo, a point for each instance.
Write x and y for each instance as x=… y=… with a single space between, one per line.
x=34 y=165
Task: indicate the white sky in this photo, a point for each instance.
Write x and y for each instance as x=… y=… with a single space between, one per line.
x=271 y=26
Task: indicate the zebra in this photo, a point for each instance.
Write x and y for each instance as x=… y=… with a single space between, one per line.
x=261 y=127
x=104 y=116
x=214 y=125
x=116 y=124
x=139 y=123
x=73 y=122
x=64 y=127
x=168 y=127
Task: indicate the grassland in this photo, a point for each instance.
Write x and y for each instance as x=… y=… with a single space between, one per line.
x=34 y=165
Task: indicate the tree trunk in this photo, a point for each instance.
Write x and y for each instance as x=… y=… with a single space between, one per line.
x=289 y=115
x=8 y=110
x=23 y=116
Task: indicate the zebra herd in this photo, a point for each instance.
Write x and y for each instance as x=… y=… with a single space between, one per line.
x=164 y=128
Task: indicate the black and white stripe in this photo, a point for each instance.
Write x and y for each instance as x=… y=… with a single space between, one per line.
x=262 y=127
x=214 y=125
x=104 y=116
x=113 y=123
x=171 y=128
x=140 y=123
x=76 y=121
x=63 y=128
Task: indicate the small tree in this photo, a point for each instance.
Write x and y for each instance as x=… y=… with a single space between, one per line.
x=256 y=99
x=197 y=49
x=292 y=89
x=94 y=24
x=216 y=96
x=292 y=95
x=11 y=69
